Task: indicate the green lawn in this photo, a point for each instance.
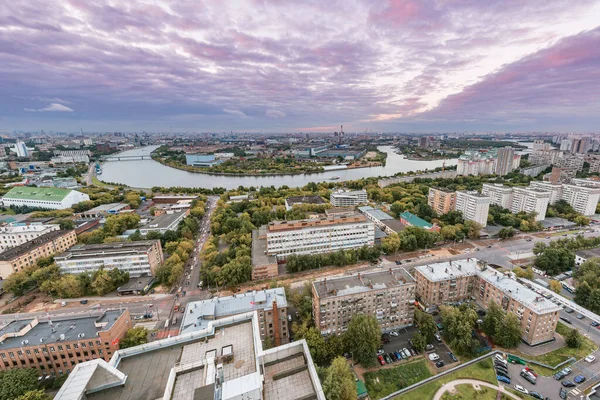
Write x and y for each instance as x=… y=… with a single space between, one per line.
x=98 y=182
x=559 y=355
x=389 y=380
x=464 y=392
x=482 y=371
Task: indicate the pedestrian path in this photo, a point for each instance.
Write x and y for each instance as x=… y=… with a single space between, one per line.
x=451 y=387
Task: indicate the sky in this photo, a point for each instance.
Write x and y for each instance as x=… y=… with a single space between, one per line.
x=300 y=66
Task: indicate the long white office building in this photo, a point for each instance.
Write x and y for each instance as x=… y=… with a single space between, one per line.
x=323 y=235
x=474 y=206
x=499 y=194
x=584 y=199
x=15 y=235
x=348 y=198
x=530 y=200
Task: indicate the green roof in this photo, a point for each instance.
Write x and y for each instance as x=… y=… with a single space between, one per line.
x=413 y=220
x=361 y=389
x=37 y=193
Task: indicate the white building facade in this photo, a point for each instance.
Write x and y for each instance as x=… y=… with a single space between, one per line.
x=554 y=189
x=474 y=206
x=499 y=194
x=348 y=198
x=15 y=235
x=50 y=198
x=530 y=200
x=584 y=199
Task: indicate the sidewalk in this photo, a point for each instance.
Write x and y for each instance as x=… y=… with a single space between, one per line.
x=451 y=387
x=122 y=299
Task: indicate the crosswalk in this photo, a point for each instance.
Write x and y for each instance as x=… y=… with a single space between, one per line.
x=573 y=394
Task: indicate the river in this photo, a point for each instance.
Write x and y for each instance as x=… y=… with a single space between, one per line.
x=149 y=173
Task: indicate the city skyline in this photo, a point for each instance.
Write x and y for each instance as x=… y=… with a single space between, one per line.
x=286 y=67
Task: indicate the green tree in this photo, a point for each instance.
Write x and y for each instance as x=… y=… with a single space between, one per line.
x=508 y=333
x=66 y=223
x=555 y=286
x=391 y=244
x=583 y=294
x=505 y=233
x=472 y=229
x=526 y=273
x=419 y=342
x=35 y=395
x=339 y=382
x=458 y=329
x=574 y=339
x=554 y=260
x=363 y=338
x=17 y=382
x=582 y=220
x=427 y=325
x=315 y=341
x=493 y=318
x=134 y=337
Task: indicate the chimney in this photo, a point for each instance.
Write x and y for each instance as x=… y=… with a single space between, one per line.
x=276 y=324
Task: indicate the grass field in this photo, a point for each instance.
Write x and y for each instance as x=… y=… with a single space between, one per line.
x=98 y=182
x=465 y=392
x=559 y=355
x=389 y=380
x=482 y=371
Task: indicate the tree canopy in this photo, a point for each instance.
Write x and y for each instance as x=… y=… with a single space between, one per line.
x=363 y=338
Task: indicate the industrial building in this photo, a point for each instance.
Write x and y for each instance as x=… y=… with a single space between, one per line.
x=202 y=160
x=105 y=210
x=26 y=255
x=382 y=220
x=16 y=234
x=168 y=221
x=56 y=346
x=140 y=258
x=298 y=200
x=387 y=294
x=224 y=361
x=271 y=305
x=42 y=197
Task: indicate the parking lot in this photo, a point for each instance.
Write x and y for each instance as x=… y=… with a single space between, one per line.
x=401 y=341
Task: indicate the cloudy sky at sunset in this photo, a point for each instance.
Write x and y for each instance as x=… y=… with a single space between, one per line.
x=290 y=66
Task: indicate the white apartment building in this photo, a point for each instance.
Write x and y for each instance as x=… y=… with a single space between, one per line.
x=530 y=200
x=475 y=166
x=71 y=156
x=499 y=194
x=138 y=258
x=43 y=197
x=15 y=235
x=584 y=199
x=473 y=205
x=324 y=235
x=21 y=149
x=554 y=189
x=348 y=198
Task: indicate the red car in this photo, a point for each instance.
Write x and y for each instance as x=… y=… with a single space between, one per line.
x=381 y=360
x=531 y=371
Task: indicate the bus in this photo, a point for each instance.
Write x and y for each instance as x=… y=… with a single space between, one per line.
x=568 y=287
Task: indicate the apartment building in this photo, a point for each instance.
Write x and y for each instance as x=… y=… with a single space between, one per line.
x=348 y=198
x=554 y=189
x=499 y=194
x=323 y=235
x=441 y=200
x=15 y=235
x=55 y=347
x=445 y=282
x=584 y=199
x=389 y=295
x=473 y=205
x=463 y=280
x=475 y=164
x=271 y=305
x=530 y=200
x=140 y=258
x=25 y=255
x=569 y=161
x=43 y=197
x=505 y=161
x=225 y=361
x=71 y=156
x=537 y=314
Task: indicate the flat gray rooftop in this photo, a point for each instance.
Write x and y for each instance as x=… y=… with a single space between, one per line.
x=87 y=251
x=589 y=253
x=375 y=212
x=71 y=328
x=363 y=282
x=449 y=269
x=164 y=220
x=259 y=249
x=294 y=385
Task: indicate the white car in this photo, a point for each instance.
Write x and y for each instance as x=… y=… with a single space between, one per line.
x=590 y=358
x=434 y=357
x=393 y=333
x=521 y=389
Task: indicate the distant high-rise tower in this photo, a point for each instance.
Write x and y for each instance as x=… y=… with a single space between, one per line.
x=504 y=163
x=21 y=149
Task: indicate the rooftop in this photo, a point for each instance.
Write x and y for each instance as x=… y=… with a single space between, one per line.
x=304 y=200
x=199 y=313
x=362 y=282
x=15 y=334
x=449 y=269
x=26 y=247
x=29 y=228
x=164 y=221
x=394 y=225
x=589 y=253
x=279 y=226
x=415 y=221
x=342 y=192
x=37 y=193
x=375 y=213
x=556 y=222
x=107 y=207
x=102 y=250
x=537 y=303
x=472 y=193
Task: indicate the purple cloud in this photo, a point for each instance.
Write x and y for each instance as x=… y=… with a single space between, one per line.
x=52 y=107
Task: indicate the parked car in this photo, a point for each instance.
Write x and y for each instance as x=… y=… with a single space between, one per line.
x=439 y=364
x=381 y=360
x=568 y=310
x=562 y=373
x=429 y=347
x=531 y=371
x=438 y=337
x=406 y=352
x=452 y=356
x=398 y=355
x=590 y=358
x=413 y=352
x=595 y=324
x=63 y=304
x=579 y=316
x=567 y=320
x=500 y=369
x=380 y=352
x=503 y=379
x=521 y=389
x=83 y=301
x=393 y=333
x=536 y=395
x=434 y=357
x=563 y=393
x=392 y=357
x=579 y=379
x=567 y=384
x=529 y=377
x=502 y=373
x=387 y=359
